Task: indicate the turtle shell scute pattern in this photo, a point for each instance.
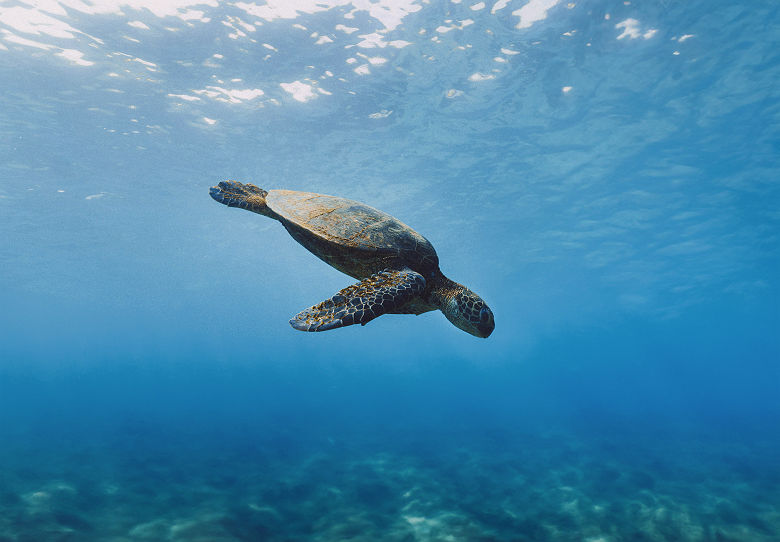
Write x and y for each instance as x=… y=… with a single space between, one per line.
x=379 y=294
x=364 y=232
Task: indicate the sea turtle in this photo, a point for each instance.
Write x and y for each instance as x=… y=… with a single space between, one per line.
x=397 y=267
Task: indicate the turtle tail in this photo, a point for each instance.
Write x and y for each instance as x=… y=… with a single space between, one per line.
x=236 y=194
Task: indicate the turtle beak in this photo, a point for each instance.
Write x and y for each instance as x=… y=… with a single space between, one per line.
x=486 y=323
x=486 y=329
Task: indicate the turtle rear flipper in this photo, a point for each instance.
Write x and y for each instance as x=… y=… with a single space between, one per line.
x=360 y=303
x=245 y=196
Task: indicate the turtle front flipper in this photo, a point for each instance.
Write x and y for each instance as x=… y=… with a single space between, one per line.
x=236 y=194
x=360 y=303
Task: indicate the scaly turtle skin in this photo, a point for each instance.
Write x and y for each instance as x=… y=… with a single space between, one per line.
x=398 y=268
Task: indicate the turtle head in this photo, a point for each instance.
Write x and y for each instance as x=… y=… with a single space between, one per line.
x=466 y=310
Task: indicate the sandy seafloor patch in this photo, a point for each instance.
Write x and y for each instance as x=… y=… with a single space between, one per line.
x=551 y=487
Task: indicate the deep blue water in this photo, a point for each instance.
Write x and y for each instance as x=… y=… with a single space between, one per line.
x=605 y=174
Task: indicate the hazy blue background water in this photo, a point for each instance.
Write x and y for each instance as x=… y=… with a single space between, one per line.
x=605 y=174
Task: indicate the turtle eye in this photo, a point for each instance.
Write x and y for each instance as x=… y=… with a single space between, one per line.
x=484 y=315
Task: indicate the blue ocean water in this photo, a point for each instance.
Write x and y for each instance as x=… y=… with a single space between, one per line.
x=603 y=173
